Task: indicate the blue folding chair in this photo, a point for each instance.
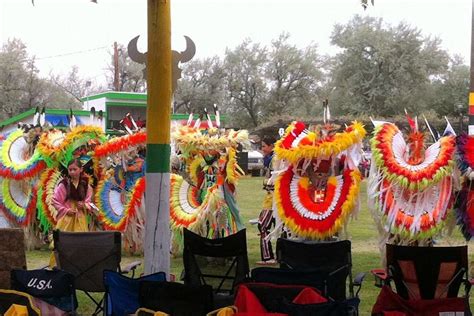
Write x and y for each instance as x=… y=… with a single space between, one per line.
x=122 y=292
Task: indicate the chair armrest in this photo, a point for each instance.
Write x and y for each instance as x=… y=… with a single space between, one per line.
x=130 y=268
x=358 y=282
x=381 y=277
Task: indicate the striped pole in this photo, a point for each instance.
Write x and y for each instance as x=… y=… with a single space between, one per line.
x=157 y=229
x=471 y=87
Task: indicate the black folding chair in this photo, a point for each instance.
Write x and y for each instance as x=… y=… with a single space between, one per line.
x=331 y=261
x=427 y=272
x=11 y=298
x=176 y=298
x=55 y=287
x=422 y=274
x=221 y=263
x=86 y=256
x=12 y=253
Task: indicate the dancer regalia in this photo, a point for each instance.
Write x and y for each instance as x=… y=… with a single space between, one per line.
x=202 y=197
x=120 y=191
x=318 y=189
x=20 y=166
x=57 y=149
x=410 y=186
x=464 y=204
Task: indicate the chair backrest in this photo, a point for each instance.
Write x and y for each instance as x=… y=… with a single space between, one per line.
x=87 y=255
x=122 y=292
x=267 y=299
x=332 y=260
x=313 y=278
x=10 y=297
x=56 y=287
x=427 y=272
x=12 y=253
x=202 y=264
x=176 y=298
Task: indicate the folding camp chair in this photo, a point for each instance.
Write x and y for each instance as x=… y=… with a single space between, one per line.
x=12 y=253
x=86 y=256
x=330 y=261
x=122 y=292
x=176 y=299
x=54 y=287
x=268 y=299
x=10 y=298
x=222 y=260
x=425 y=276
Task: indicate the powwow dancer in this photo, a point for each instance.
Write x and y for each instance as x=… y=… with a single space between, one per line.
x=120 y=191
x=464 y=204
x=205 y=202
x=20 y=166
x=318 y=190
x=410 y=187
x=266 y=217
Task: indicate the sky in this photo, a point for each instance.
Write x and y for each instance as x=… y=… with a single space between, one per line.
x=64 y=33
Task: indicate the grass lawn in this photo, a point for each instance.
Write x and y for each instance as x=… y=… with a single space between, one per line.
x=362 y=233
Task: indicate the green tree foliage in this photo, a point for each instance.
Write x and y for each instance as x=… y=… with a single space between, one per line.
x=294 y=76
x=201 y=86
x=382 y=69
x=130 y=73
x=451 y=89
x=265 y=82
x=20 y=86
x=245 y=83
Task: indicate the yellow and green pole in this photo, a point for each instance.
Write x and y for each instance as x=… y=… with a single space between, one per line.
x=471 y=88
x=158 y=117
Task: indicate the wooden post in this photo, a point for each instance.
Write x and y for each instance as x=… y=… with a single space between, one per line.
x=158 y=116
x=116 y=68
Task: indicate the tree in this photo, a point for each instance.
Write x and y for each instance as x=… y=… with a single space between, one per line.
x=75 y=86
x=294 y=77
x=201 y=85
x=13 y=78
x=383 y=69
x=21 y=88
x=245 y=82
x=452 y=89
x=130 y=73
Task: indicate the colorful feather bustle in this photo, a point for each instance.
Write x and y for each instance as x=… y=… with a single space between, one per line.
x=19 y=201
x=389 y=152
x=313 y=208
x=416 y=215
x=410 y=187
x=14 y=160
x=233 y=170
x=194 y=168
x=119 y=144
x=298 y=143
x=190 y=139
x=47 y=213
x=202 y=199
x=465 y=154
x=50 y=143
x=76 y=138
x=117 y=207
x=464 y=204
x=308 y=218
x=184 y=203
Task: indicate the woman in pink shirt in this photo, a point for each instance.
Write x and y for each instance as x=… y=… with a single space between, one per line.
x=72 y=199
